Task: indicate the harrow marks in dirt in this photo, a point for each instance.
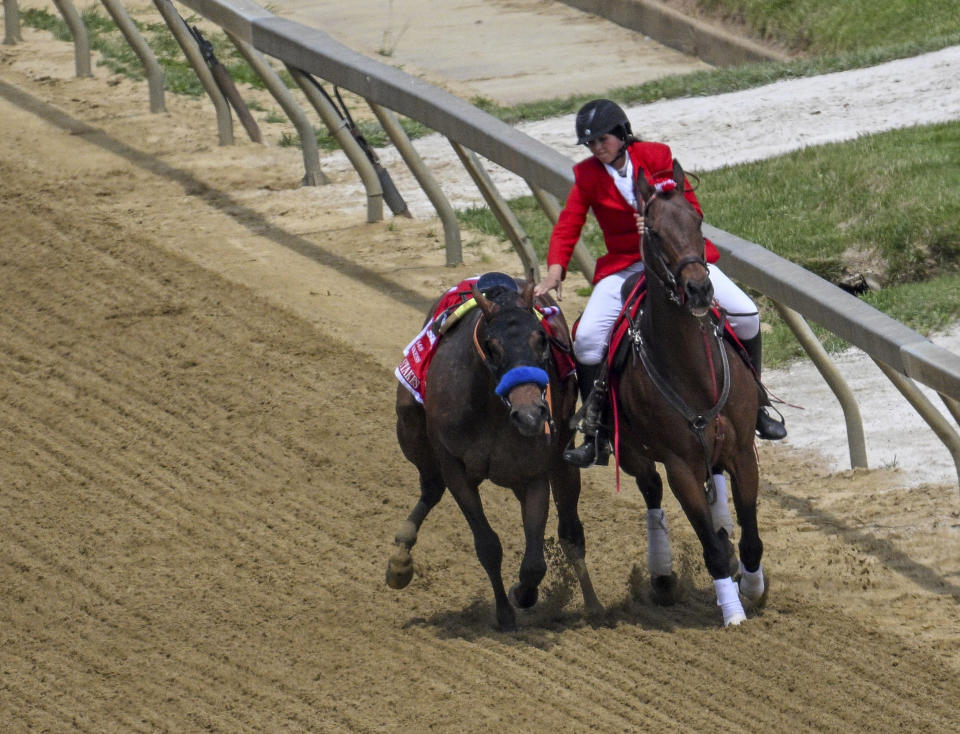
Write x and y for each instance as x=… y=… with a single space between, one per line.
x=198 y=492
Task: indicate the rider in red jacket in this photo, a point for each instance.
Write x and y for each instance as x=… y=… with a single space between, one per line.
x=594 y=189
x=604 y=184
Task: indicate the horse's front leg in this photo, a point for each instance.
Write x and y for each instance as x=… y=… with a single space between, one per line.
x=565 y=484
x=485 y=540
x=534 y=505
x=663 y=580
x=722 y=520
x=745 y=481
x=687 y=486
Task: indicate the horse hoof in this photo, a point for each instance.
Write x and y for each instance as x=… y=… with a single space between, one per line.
x=735 y=620
x=757 y=601
x=664 y=589
x=399 y=571
x=524 y=602
x=595 y=609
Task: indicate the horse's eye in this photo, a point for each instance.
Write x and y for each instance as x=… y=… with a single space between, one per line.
x=495 y=351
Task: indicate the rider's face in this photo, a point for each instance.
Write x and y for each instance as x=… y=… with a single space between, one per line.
x=606 y=147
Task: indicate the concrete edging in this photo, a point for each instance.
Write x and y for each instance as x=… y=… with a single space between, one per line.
x=671 y=28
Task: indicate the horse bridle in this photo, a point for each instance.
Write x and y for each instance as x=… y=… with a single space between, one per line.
x=648 y=246
x=523 y=371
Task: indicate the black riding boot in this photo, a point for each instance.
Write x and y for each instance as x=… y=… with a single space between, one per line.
x=593 y=393
x=768 y=427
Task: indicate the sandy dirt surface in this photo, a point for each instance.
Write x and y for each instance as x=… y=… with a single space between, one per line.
x=201 y=482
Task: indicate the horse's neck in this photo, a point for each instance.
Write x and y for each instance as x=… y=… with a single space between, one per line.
x=675 y=337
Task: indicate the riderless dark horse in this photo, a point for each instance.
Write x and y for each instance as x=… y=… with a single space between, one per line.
x=686 y=399
x=495 y=408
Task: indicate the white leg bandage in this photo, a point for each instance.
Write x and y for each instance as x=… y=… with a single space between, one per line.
x=729 y=601
x=751 y=583
x=720 y=509
x=659 y=557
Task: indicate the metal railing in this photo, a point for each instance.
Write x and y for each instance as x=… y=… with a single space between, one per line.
x=903 y=354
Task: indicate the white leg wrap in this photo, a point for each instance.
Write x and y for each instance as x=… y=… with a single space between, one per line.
x=659 y=557
x=720 y=509
x=729 y=601
x=751 y=584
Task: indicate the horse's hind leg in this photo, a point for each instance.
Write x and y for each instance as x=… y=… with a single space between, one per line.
x=400 y=565
x=412 y=436
x=745 y=480
x=663 y=580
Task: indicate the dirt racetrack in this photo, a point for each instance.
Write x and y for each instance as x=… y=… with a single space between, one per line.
x=200 y=483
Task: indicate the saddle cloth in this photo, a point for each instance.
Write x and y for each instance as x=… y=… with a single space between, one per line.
x=412 y=370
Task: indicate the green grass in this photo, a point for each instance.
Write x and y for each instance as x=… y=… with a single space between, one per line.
x=882 y=193
x=821 y=27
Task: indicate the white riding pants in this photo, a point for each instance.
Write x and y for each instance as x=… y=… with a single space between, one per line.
x=593 y=331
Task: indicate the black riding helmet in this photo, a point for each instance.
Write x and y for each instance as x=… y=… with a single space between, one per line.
x=599 y=117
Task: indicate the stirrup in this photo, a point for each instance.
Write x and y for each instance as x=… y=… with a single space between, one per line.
x=588 y=454
x=768 y=427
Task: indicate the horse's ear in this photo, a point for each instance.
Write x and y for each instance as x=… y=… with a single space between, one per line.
x=678 y=176
x=641 y=188
x=488 y=307
x=526 y=295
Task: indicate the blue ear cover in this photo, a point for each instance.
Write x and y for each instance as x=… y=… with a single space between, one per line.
x=520 y=375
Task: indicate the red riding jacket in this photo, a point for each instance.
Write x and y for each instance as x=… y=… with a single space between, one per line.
x=593 y=188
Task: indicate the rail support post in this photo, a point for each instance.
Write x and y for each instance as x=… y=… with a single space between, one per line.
x=11 y=23
x=352 y=149
x=397 y=135
x=505 y=216
x=150 y=64
x=851 y=411
x=927 y=411
x=178 y=27
x=313 y=174
x=551 y=207
x=81 y=41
